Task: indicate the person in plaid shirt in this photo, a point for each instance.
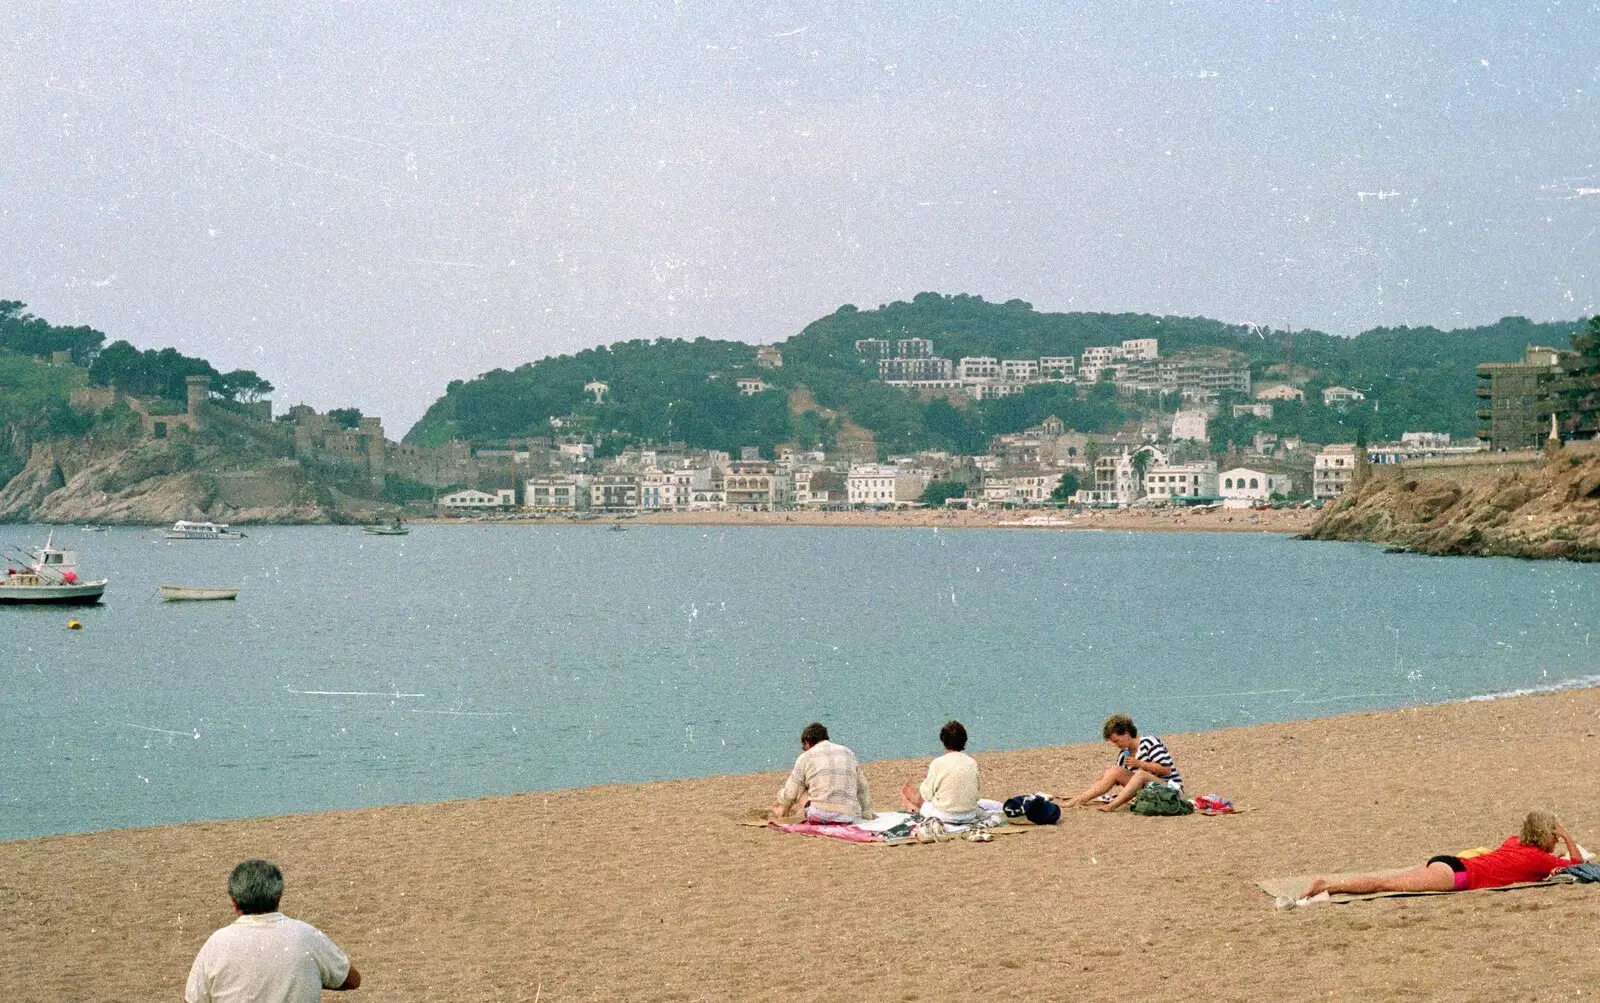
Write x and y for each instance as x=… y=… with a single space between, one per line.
x=826 y=781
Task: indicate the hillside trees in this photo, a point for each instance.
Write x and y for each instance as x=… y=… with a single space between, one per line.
x=22 y=332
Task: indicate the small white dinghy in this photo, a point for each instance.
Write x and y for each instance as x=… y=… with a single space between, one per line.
x=187 y=593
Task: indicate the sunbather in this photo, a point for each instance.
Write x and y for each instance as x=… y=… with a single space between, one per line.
x=826 y=782
x=1141 y=761
x=1523 y=857
x=950 y=791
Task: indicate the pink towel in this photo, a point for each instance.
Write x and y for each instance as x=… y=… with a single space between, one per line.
x=849 y=833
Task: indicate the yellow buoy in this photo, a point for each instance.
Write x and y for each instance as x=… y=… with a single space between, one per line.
x=74 y=625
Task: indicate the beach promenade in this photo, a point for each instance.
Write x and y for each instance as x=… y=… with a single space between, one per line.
x=652 y=892
x=1294 y=520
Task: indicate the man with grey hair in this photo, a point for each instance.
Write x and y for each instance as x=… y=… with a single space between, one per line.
x=264 y=956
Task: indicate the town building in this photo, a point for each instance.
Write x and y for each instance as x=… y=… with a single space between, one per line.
x=906 y=369
x=1057 y=368
x=1116 y=478
x=874 y=348
x=1252 y=410
x=749 y=386
x=1332 y=471
x=1019 y=370
x=1280 y=392
x=768 y=357
x=974 y=368
x=614 y=492
x=1247 y=485
x=1518 y=398
x=1181 y=481
x=758 y=485
x=1340 y=395
x=471 y=499
x=1019 y=488
x=553 y=494
x=882 y=486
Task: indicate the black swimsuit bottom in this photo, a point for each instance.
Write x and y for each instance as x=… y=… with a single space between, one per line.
x=1454 y=862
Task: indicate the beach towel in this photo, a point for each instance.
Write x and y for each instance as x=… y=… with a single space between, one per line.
x=1292 y=890
x=848 y=833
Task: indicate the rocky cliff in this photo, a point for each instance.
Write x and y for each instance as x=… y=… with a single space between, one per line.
x=1544 y=508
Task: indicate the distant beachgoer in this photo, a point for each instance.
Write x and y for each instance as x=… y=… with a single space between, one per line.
x=826 y=781
x=1142 y=761
x=264 y=956
x=1523 y=857
x=950 y=791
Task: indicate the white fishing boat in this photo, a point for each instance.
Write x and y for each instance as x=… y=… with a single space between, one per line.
x=50 y=576
x=185 y=530
x=189 y=593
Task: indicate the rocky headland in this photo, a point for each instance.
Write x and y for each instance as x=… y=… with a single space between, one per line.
x=1497 y=505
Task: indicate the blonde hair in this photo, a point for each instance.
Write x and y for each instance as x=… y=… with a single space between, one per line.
x=1539 y=829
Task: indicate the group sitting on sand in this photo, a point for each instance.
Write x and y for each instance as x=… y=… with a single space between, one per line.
x=827 y=783
x=828 y=786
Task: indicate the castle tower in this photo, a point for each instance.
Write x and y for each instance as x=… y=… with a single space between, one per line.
x=199 y=389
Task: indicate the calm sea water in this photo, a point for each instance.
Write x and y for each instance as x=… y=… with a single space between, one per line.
x=471 y=660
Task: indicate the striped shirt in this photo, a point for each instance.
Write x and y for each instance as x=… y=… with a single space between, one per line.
x=1154 y=750
x=828 y=777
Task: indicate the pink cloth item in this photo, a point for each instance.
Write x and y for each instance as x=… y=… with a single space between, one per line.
x=848 y=833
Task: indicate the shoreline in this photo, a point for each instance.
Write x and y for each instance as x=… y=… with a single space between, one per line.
x=1575 y=685
x=652 y=891
x=1149 y=520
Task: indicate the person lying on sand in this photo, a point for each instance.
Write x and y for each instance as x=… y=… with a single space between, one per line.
x=1141 y=761
x=826 y=781
x=1523 y=857
x=950 y=791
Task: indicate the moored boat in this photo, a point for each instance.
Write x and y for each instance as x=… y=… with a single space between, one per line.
x=190 y=593
x=395 y=528
x=185 y=530
x=50 y=576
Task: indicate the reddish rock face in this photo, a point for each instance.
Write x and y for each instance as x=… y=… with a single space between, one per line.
x=1548 y=509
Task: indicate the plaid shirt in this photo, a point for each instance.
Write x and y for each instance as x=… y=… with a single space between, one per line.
x=828 y=777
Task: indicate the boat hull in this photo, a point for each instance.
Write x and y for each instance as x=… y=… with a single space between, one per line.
x=87 y=594
x=184 y=593
x=384 y=531
x=173 y=534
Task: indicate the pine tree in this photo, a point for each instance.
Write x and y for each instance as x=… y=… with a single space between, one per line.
x=1580 y=394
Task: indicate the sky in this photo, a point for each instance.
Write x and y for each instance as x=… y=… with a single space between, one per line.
x=364 y=201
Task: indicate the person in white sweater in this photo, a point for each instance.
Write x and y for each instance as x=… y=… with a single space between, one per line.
x=950 y=790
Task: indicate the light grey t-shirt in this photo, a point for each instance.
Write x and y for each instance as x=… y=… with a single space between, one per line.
x=266 y=958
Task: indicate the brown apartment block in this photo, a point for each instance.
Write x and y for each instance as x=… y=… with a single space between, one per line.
x=1518 y=399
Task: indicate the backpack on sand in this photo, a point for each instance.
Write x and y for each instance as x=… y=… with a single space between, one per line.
x=1036 y=808
x=1159 y=799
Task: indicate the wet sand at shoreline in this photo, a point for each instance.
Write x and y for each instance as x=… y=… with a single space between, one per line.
x=652 y=892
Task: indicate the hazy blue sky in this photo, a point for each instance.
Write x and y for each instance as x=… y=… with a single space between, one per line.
x=363 y=201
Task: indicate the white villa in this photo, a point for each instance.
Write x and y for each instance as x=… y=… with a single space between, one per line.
x=1242 y=486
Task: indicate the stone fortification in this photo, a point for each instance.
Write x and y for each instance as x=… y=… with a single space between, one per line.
x=1495 y=505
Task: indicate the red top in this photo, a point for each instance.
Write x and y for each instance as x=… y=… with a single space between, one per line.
x=1513 y=862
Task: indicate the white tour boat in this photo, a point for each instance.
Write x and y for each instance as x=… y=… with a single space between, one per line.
x=185 y=530
x=51 y=576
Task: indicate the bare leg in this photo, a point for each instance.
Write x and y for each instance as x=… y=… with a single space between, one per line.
x=1129 y=789
x=910 y=798
x=1113 y=776
x=1434 y=877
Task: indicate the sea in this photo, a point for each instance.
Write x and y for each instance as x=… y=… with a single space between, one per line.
x=478 y=659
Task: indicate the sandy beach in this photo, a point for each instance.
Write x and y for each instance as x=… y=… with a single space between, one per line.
x=1154 y=519
x=653 y=892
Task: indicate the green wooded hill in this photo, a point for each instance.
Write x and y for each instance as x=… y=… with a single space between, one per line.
x=1415 y=379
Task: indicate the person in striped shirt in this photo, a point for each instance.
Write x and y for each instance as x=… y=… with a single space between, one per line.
x=826 y=782
x=1140 y=761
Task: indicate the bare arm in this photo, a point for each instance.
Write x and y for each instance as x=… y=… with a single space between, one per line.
x=1573 y=853
x=1136 y=765
x=351 y=981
